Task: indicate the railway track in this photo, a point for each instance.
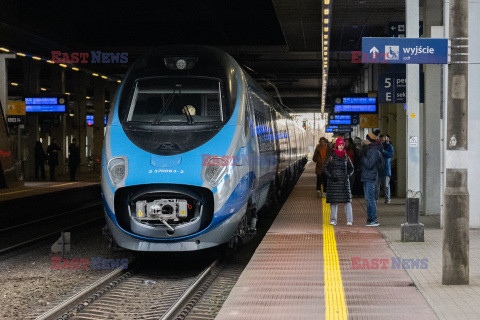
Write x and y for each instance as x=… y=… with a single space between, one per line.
x=13 y=238
x=137 y=293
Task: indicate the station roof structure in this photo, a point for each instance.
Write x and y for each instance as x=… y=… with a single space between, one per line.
x=278 y=40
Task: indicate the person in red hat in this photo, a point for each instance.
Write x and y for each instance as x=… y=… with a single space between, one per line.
x=338 y=168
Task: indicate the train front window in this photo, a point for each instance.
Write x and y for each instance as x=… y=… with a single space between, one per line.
x=176 y=101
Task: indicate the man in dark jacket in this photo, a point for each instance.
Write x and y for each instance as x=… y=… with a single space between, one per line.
x=322 y=151
x=73 y=158
x=52 y=153
x=371 y=160
x=385 y=174
x=40 y=158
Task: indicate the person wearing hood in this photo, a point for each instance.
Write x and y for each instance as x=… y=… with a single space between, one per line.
x=321 y=153
x=372 y=161
x=338 y=168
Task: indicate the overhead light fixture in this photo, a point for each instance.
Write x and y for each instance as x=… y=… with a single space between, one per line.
x=106 y=101
x=75 y=69
x=325 y=43
x=36 y=58
x=325 y=29
x=95 y=74
x=325 y=36
x=4 y=49
x=62 y=65
x=50 y=61
x=327 y=1
x=325 y=53
x=14 y=84
x=326 y=12
x=119 y=81
x=43 y=89
x=103 y=77
x=87 y=97
x=325 y=21
x=67 y=93
x=21 y=54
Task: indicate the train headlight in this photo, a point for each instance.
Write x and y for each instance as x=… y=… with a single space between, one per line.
x=214 y=170
x=117 y=169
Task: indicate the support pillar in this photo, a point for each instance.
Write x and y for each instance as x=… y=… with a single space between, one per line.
x=456 y=197
x=31 y=75
x=80 y=107
x=4 y=81
x=98 y=119
x=412 y=230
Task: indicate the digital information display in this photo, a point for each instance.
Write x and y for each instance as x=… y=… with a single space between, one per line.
x=340 y=121
x=355 y=108
x=328 y=130
x=45 y=104
x=90 y=120
x=343 y=117
x=359 y=100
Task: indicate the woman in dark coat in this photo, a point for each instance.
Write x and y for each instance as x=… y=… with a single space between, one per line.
x=338 y=168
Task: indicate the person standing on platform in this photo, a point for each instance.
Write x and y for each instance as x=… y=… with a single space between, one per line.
x=338 y=168
x=385 y=175
x=73 y=158
x=52 y=153
x=321 y=152
x=40 y=157
x=372 y=163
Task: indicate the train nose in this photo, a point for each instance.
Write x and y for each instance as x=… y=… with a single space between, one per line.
x=164 y=211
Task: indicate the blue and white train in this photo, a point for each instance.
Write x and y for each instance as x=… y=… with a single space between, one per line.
x=194 y=148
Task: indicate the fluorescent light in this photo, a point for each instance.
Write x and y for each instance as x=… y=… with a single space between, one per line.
x=67 y=93
x=14 y=84
x=325 y=36
x=326 y=12
x=50 y=61
x=119 y=81
x=106 y=101
x=327 y=1
x=87 y=97
x=95 y=74
x=75 y=69
x=21 y=54
x=103 y=77
x=325 y=43
x=325 y=29
x=325 y=53
x=43 y=89
x=62 y=65
x=5 y=49
x=325 y=21
x=36 y=58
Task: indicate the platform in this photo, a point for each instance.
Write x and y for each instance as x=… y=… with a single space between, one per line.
x=306 y=269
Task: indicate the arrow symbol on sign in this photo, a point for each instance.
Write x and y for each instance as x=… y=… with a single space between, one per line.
x=374 y=51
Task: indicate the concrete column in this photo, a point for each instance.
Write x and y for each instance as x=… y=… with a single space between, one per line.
x=31 y=85
x=400 y=150
x=4 y=81
x=98 y=118
x=80 y=96
x=57 y=84
x=432 y=116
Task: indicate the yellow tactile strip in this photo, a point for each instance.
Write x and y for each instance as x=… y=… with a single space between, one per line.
x=335 y=304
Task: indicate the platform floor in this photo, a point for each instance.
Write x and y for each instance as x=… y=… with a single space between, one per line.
x=306 y=269
x=36 y=188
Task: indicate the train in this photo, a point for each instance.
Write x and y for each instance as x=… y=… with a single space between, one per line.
x=194 y=148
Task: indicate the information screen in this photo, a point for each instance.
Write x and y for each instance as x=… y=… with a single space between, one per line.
x=355 y=108
x=359 y=100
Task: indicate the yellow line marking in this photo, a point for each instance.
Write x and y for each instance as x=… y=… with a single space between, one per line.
x=335 y=304
x=59 y=185
x=2 y=194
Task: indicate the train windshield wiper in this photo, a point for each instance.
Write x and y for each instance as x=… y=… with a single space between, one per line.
x=167 y=103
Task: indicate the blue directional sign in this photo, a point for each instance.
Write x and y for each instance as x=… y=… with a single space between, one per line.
x=45 y=104
x=340 y=121
x=355 y=108
x=405 y=50
x=392 y=88
x=359 y=100
x=343 y=117
x=328 y=130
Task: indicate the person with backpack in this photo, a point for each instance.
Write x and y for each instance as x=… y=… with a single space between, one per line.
x=321 y=153
x=338 y=168
x=384 y=175
x=372 y=162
